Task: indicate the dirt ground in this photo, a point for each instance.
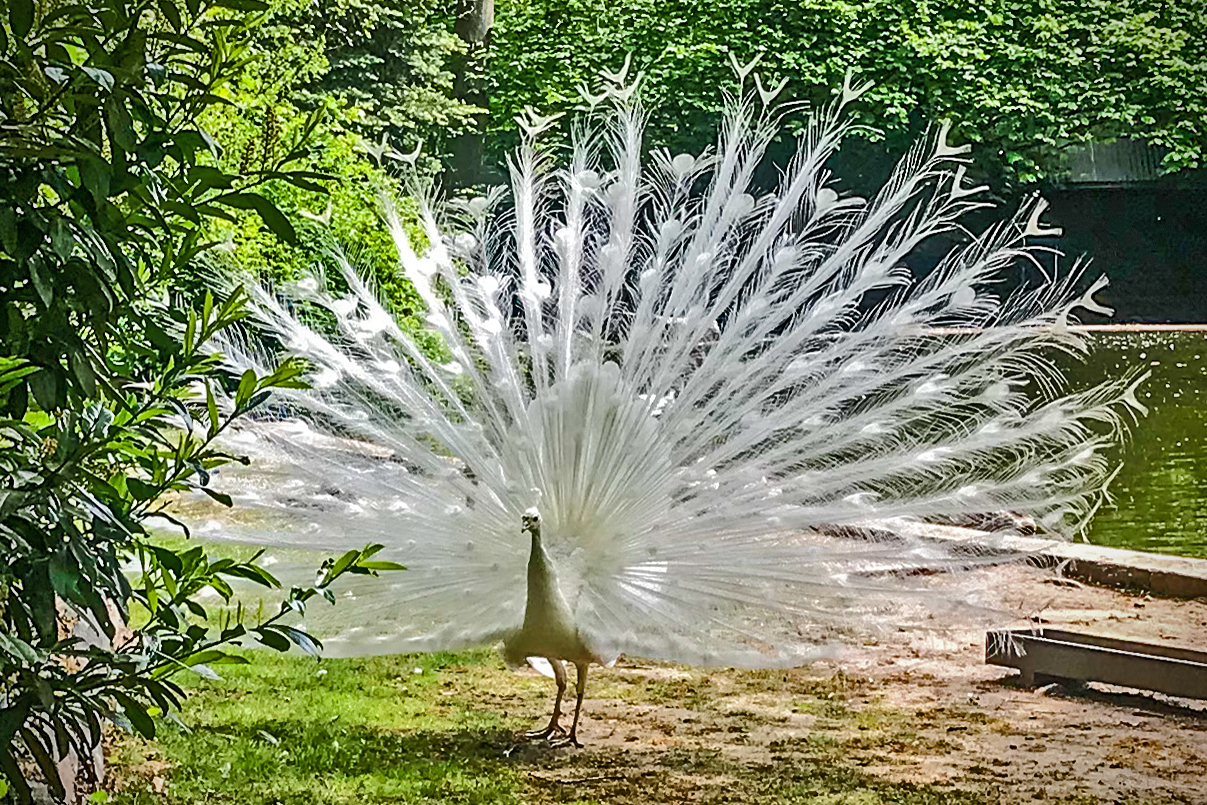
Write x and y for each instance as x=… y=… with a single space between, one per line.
x=908 y=709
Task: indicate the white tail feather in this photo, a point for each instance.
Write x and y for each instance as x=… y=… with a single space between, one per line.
x=717 y=399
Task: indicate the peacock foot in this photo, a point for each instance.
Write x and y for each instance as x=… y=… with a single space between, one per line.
x=569 y=740
x=553 y=729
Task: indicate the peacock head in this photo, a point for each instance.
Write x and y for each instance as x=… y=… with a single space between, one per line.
x=531 y=521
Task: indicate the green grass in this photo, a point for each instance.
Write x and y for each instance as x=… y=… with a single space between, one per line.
x=288 y=729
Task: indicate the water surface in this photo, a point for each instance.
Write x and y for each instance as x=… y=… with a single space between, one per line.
x=1160 y=495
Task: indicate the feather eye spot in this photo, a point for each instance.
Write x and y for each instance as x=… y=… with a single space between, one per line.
x=477 y=206
x=488 y=284
x=683 y=164
x=964 y=297
x=826 y=198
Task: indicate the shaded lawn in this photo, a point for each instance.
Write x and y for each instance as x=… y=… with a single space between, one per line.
x=295 y=729
x=442 y=729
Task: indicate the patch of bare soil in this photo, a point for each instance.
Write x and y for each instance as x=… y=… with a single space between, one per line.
x=919 y=714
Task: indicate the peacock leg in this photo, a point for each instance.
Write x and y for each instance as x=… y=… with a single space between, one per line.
x=559 y=676
x=580 y=688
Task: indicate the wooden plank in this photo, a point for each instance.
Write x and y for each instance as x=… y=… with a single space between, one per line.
x=1053 y=654
x=1133 y=646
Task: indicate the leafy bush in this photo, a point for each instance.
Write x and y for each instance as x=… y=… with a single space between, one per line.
x=394 y=63
x=1020 y=79
x=366 y=78
x=110 y=397
x=341 y=211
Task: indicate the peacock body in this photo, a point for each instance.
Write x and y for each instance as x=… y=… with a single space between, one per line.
x=659 y=402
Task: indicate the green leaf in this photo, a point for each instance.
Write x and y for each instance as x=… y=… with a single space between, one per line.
x=253 y=573
x=8 y=226
x=221 y=497
x=121 y=125
x=136 y=713
x=343 y=563
x=62 y=241
x=302 y=640
x=103 y=78
x=141 y=490
x=65 y=579
x=94 y=173
x=18 y=648
x=258 y=399
x=215 y=656
x=207 y=308
x=273 y=218
x=10 y=379
x=167 y=558
x=82 y=370
x=247 y=386
x=43 y=283
x=243 y=5
x=45 y=386
x=207 y=177
x=272 y=638
x=381 y=565
x=170 y=13
x=21 y=17
x=42 y=755
x=211 y=407
x=190 y=332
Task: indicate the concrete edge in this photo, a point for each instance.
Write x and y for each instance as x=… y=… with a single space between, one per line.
x=1173 y=576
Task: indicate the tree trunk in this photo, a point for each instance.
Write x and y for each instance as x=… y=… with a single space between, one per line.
x=475 y=18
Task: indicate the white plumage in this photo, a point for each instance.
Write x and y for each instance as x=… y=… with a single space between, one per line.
x=700 y=387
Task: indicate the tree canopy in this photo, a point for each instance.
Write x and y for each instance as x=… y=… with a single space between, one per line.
x=1020 y=79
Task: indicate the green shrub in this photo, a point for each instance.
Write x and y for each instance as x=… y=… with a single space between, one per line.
x=1020 y=79
x=108 y=390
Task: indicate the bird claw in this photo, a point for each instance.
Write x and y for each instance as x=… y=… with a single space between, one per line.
x=552 y=729
x=569 y=740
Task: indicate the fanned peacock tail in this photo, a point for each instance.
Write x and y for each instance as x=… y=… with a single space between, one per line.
x=724 y=402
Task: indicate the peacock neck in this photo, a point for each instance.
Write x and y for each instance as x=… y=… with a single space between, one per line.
x=538 y=564
x=542 y=580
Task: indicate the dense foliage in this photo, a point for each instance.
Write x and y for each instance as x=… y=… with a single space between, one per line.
x=392 y=62
x=1020 y=79
x=139 y=136
x=110 y=398
x=379 y=79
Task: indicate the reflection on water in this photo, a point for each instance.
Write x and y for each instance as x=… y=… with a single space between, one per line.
x=1160 y=495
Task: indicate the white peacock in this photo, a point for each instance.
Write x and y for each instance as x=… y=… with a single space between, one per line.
x=661 y=395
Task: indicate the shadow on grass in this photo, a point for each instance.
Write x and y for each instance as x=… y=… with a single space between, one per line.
x=292 y=731
x=294 y=761
x=707 y=775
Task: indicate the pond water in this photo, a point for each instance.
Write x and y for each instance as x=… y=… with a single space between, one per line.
x=1160 y=495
